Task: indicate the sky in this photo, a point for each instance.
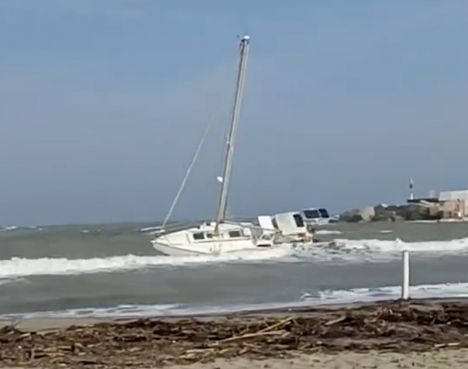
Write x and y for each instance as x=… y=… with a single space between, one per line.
x=103 y=103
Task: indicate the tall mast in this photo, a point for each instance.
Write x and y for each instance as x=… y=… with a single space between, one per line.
x=244 y=53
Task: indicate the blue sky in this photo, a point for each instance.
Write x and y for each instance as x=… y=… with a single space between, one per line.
x=102 y=104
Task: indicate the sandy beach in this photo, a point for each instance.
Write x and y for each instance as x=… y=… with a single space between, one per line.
x=443 y=359
x=426 y=333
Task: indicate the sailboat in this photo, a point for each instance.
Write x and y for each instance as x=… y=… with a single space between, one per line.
x=222 y=235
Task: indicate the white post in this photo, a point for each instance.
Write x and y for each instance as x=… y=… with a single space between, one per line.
x=406 y=276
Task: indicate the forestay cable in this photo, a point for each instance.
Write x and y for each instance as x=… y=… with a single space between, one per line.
x=187 y=174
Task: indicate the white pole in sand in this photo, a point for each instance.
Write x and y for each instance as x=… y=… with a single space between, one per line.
x=406 y=276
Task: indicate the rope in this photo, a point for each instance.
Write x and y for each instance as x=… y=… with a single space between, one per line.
x=187 y=174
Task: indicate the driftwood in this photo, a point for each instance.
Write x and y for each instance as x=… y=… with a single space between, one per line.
x=156 y=342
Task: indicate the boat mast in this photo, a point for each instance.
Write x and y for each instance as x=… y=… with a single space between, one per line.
x=244 y=52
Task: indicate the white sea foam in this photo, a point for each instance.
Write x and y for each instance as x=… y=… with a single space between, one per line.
x=398 y=245
x=454 y=290
x=327 y=231
x=148 y=229
x=339 y=250
x=8 y=228
x=12 y=280
x=14 y=228
x=443 y=290
x=20 y=267
x=6 y=281
x=373 y=250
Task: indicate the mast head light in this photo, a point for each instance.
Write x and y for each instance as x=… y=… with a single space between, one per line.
x=246 y=38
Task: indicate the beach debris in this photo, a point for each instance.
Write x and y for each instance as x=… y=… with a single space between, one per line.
x=390 y=326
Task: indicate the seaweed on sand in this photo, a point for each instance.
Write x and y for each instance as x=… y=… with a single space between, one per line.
x=391 y=326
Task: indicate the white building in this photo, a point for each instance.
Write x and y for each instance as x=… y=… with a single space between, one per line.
x=454 y=204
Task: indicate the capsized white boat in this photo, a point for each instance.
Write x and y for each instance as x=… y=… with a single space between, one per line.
x=317 y=216
x=224 y=235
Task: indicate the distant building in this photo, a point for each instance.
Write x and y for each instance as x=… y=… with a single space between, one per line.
x=444 y=205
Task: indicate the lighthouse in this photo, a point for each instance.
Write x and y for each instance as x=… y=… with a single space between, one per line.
x=411 y=189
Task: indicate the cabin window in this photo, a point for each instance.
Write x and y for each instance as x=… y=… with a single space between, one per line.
x=312 y=214
x=299 y=221
x=234 y=234
x=275 y=223
x=209 y=235
x=324 y=213
x=198 y=236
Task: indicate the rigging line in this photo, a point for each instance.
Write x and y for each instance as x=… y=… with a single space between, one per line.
x=187 y=174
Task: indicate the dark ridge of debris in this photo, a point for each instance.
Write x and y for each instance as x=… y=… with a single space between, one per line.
x=394 y=326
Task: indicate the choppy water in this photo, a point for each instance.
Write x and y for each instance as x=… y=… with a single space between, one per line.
x=113 y=270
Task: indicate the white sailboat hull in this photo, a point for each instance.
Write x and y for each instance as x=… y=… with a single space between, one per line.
x=203 y=248
x=203 y=240
x=171 y=250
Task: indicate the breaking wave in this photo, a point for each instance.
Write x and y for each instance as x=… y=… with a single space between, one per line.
x=398 y=245
x=338 y=250
x=425 y=291
x=453 y=290
x=8 y=228
x=19 y=228
x=373 y=250
x=20 y=267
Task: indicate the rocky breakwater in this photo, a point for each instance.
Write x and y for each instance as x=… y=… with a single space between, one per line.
x=382 y=212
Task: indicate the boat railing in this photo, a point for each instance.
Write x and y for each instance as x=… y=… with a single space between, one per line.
x=248 y=224
x=171 y=228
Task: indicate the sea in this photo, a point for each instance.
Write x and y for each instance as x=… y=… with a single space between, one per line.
x=113 y=271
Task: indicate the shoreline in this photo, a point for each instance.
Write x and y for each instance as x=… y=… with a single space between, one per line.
x=50 y=323
x=291 y=337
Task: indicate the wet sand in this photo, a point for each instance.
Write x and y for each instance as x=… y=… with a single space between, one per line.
x=50 y=323
x=428 y=334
